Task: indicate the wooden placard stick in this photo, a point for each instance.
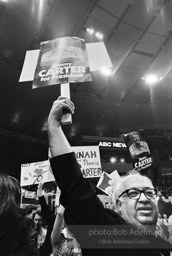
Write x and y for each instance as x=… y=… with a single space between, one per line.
x=65 y=92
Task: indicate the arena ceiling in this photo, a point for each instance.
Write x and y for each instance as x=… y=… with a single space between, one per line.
x=138 y=38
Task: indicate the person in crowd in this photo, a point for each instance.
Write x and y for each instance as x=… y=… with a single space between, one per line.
x=17 y=234
x=41 y=232
x=165 y=219
x=63 y=242
x=159 y=217
x=60 y=243
x=138 y=146
x=29 y=210
x=135 y=197
x=49 y=218
x=162 y=229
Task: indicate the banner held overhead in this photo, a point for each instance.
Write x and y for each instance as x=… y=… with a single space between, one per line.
x=62 y=60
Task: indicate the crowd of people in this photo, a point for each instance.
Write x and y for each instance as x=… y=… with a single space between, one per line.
x=75 y=228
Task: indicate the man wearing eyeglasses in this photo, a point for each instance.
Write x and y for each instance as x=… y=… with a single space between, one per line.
x=135 y=198
x=137 y=201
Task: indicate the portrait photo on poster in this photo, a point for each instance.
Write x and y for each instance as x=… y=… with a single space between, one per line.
x=138 y=148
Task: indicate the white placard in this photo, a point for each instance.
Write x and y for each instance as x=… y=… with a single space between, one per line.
x=98 y=58
x=34 y=173
x=29 y=66
x=30 y=194
x=108 y=182
x=89 y=159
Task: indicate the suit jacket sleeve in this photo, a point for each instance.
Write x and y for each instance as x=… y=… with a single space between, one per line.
x=78 y=196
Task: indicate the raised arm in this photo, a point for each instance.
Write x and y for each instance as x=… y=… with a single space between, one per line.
x=57 y=141
x=47 y=214
x=58 y=225
x=78 y=195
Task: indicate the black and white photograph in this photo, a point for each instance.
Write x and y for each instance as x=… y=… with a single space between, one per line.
x=86 y=127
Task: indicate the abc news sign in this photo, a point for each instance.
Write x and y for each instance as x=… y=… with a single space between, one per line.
x=112 y=144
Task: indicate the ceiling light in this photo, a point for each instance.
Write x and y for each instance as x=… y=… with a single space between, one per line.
x=99 y=35
x=151 y=79
x=90 y=30
x=113 y=160
x=122 y=160
x=106 y=71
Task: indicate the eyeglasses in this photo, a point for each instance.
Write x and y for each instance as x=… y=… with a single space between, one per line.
x=133 y=193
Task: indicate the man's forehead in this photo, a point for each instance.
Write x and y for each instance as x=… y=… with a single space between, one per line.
x=137 y=182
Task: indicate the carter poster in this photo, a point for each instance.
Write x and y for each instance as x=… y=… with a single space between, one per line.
x=139 y=150
x=62 y=60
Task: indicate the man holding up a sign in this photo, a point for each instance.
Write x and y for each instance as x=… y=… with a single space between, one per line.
x=135 y=197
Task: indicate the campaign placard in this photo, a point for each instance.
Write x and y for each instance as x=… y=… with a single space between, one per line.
x=139 y=150
x=62 y=60
x=108 y=182
x=98 y=57
x=30 y=194
x=88 y=158
x=35 y=173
